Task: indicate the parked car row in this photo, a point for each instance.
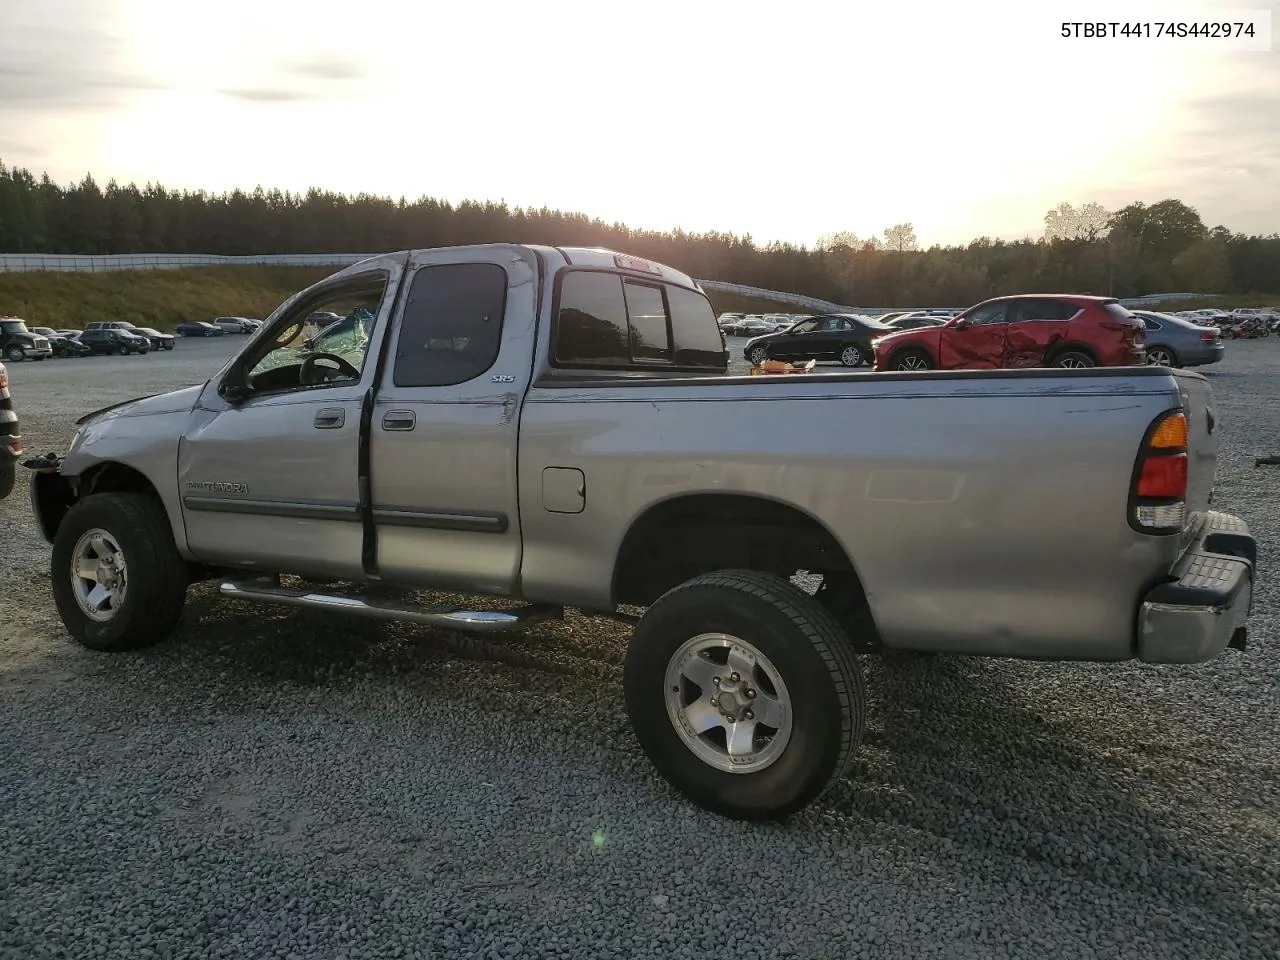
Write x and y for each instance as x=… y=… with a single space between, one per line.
x=217 y=327
x=1060 y=330
x=19 y=342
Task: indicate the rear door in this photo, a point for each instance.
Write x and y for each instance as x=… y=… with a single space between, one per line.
x=1035 y=325
x=977 y=344
x=443 y=435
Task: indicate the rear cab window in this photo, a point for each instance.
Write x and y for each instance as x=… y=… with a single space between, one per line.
x=451 y=329
x=608 y=320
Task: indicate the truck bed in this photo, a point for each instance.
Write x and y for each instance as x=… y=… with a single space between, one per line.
x=985 y=512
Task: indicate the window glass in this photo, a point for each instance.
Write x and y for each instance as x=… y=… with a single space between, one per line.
x=452 y=326
x=606 y=320
x=991 y=313
x=699 y=342
x=1118 y=312
x=647 y=315
x=295 y=355
x=591 y=326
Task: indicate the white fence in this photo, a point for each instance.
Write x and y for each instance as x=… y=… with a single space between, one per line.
x=28 y=262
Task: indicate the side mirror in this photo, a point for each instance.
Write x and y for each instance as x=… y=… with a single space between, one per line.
x=234 y=393
x=961 y=323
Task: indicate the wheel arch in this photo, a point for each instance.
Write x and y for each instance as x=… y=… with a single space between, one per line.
x=918 y=346
x=54 y=494
x=1071 y=346
x=685 y=535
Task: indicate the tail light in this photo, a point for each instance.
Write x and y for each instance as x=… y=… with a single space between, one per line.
x=1158 y=496
x=1209 y=336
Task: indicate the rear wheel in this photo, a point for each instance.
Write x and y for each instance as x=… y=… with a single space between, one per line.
x=1073 y=359
x=123 y=350
x=759 y=355
x=744 y=693
x=912 y=360
x=1162 y=357
x=851 y=355
x=118 y=580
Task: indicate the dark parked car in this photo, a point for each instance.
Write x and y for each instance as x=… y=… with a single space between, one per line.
x=17 y=343
x=1175 y=342
x=123 y=342
x=10 y=439
x=63 y=344
x=834 y=336
x=159 y=341
x=198 y=328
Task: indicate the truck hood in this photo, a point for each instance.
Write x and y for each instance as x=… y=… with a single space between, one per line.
x=175 y=401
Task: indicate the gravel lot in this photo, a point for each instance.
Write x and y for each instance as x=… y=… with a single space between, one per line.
x=273 y=783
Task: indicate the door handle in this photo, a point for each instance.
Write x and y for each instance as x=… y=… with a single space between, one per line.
x=330 y=418
x=399 y=420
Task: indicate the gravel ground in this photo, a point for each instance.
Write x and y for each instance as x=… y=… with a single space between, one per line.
x=274 y=783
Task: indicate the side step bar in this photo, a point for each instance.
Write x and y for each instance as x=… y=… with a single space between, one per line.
x=473 y=621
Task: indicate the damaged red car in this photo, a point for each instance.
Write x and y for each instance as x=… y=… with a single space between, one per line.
x=1041 y=330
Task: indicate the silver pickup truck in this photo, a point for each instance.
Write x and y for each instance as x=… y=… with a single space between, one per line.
x=554 y=427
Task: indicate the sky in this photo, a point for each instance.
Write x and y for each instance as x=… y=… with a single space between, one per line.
x=779 y=120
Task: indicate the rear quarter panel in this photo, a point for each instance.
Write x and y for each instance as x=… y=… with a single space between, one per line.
x=983 y=514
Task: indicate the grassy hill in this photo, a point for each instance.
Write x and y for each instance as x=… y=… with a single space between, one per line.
x=163 y=298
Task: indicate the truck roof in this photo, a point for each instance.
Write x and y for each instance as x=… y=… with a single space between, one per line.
x=594 y=257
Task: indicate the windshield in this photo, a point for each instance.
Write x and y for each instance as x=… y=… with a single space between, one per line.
x=14 y=326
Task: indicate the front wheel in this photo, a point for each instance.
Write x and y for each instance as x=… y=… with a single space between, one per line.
x=910 y=360
x=758 y=355
x=851 y=355
x=14 y=353
x=744 y=694
x=118 y=580
x=1073 y=359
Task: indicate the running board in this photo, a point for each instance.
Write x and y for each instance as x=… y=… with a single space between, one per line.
x=473 y=621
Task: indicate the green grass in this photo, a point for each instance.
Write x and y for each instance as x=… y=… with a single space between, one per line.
x=163 y=298
x=150 y=298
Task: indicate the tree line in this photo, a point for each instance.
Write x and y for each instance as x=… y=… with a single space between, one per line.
x=1138 y=249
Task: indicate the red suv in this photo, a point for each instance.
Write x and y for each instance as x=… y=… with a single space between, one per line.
x=1037 y=330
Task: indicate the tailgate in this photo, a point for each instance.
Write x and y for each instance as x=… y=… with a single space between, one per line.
x=1202 y=447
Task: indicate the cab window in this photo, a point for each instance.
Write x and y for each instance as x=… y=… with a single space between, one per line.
x=295 y=355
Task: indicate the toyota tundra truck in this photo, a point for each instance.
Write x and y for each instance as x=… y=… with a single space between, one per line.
x=554 y=427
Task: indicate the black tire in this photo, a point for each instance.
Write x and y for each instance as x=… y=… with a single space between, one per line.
x=8 y=473
x=123 y=350
x=911 y=360
x=1073 y=359
x=14 y=353
x=758 y=355
x=852 y=355
x=156 y=576
x=1162 y=357
x=809 y=652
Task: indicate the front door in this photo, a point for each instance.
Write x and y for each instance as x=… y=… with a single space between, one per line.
x=268 y=468
x=977 y=343
x=444 y=430
x=1035 y=325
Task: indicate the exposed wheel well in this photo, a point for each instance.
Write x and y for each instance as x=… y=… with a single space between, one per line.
x=55 y=495
x=678 y=539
